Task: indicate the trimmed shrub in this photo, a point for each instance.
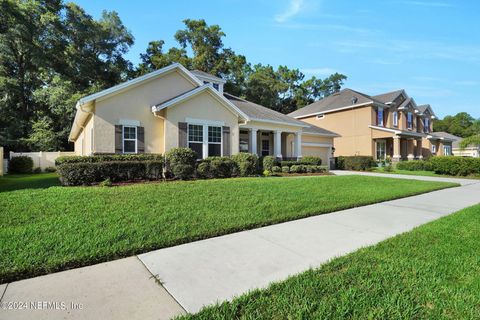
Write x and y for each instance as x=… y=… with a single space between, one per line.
x=37 y=170
x=181 y=163
x=310 y=168
x=285 y=169
x=455 y=166
x=415 y=165
x=203 y=170
x=74 y=174
x=109 y=157
x=20 y=164
x=269 y=162
x=50 y=169
x=340 y=163
x=276 y=169
x=297 y=169
x=246 y=164
x=359 y=163
x=313 y=160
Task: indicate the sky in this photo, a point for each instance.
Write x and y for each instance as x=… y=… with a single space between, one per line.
x=430 y=48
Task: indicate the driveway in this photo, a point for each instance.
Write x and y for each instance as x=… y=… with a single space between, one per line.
x=204 y=272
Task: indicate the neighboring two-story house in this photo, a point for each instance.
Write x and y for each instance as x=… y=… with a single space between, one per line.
x=387 y=125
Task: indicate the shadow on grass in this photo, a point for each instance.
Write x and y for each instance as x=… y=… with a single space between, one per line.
x=11 y=182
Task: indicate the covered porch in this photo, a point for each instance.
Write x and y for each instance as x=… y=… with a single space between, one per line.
x=398 y=148
x=271 y=142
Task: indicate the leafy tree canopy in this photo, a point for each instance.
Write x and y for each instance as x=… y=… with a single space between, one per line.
x=462 y=124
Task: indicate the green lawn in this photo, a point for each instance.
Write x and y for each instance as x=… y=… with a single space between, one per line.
x=52 y=229
x=28 y=181
x=432 y=272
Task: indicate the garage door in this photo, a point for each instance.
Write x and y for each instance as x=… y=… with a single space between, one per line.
x=322 y=152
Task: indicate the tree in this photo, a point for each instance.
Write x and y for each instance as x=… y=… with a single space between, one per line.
x=470 y=141
x=462 y=124
x=43 y=45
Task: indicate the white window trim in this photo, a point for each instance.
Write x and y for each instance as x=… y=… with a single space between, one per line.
x=395 y=118
x=129 y=123
x=205 y=124
x=445 y=148
x=320 y=116
x=123 y=139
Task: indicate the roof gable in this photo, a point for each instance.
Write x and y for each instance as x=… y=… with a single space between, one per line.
x=194 y=92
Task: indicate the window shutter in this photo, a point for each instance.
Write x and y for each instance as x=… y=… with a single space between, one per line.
x=226 y=141
x=182 y=135
x=385 y=114
x=140 y=140
x=118 y=139
x=376 y=117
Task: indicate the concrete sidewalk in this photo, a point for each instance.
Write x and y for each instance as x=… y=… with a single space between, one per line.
x=217 y=269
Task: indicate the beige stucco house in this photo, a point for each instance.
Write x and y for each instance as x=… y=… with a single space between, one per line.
x=174 y=107
x=386 y=125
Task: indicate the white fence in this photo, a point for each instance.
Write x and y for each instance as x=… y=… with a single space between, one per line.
x=42 y=159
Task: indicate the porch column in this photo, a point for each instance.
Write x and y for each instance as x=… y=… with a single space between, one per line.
x=252 y=139
x=396 y=148
x=419 y=149
x=298 y=145
x=410 y=150
x=277 y=143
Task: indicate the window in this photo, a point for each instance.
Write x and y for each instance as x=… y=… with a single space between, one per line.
x=434 y=148
x=195 y=139
x=214 y=141
x=215 y=86
x=380 y=117
x=205 y=140
x=395 y=119
x=410 y=120
x=265 y=148
x=381 y=149
x=447 y=150
x=129 y=139
x=426 y=125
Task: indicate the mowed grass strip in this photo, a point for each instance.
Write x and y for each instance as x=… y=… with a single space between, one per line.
x=47 y=230
x=431 y=272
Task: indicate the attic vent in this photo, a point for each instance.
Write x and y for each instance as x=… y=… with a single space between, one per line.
x=354 y=100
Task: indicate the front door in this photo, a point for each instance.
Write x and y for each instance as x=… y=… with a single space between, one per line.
x=381 y=149
x=265 y=147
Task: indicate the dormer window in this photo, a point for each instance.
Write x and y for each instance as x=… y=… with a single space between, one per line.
x=216 y=86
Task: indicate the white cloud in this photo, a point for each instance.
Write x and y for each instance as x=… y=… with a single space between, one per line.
x=294 y=8
x=319 y=71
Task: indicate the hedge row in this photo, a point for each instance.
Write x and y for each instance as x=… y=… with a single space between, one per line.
x=358 y=163
x=269 y=162
x=179 y=163
x=455 y=166
x=109 y=157
x=415 y=165
x=87 y=173
x=300 y=168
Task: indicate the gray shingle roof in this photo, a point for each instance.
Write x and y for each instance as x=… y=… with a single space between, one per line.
x=456 y=140
x=258 y=112
x=341 y=99
x=389 y=96
x=205 y=74
x=317 y=130
x=424 y=107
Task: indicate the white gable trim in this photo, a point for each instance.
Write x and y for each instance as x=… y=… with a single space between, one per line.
x=334 y=110
x=190 y=94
